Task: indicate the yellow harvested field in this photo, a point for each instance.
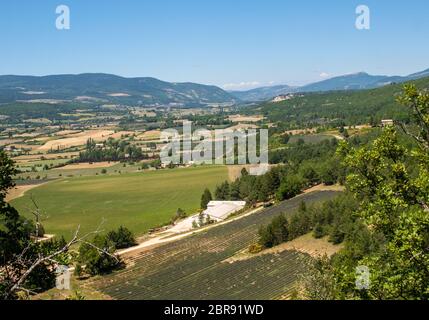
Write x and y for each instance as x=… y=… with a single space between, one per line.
x=25 y=146
x=47 y=156
x=119 y=134
x=96 y=165
x=5 y=142
x=234 y=171
x=77 y=139
x=310 y=245
x=66 y=132
x=150 y=135
x=243 y=126
x=240 y=118
x=305 y=244
x=300 y=131
x=27 y=135
x=323 y=187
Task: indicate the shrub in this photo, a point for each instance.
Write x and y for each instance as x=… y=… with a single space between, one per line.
x=122 y=238
x=77 y=295
x=289 y=188
x=275 y=233
x=180 y=214
x=336 y=236
x=255 y=248
x=206 y=198
x=318 y=232
x=98 y=257
x=78 y=270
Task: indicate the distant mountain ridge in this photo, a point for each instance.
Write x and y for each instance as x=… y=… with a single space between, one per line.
x=263 y=93
x=109 y=88
x=356 y=81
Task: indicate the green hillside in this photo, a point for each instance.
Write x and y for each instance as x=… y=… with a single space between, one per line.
x=109 y=88
x=350 y=107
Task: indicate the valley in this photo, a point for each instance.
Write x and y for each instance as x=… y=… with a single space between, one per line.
x=93 y=166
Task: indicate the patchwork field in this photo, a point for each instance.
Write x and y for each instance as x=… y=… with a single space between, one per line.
x=96 y=165
x=241 y=118
x=76 y=140
x=197 y=267
x=139 y=201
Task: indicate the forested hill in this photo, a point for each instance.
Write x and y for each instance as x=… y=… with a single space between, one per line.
x=354 y=81
x=346 y=107
x=109 y=88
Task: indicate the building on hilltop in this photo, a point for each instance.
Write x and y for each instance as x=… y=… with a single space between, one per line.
x=387 y=123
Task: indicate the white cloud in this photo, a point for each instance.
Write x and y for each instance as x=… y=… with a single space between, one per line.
x=241 y=85
x=324 y=75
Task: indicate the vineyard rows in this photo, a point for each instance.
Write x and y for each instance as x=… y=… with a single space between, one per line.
x=194 y=267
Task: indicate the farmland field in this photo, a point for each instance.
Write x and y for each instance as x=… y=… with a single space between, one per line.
x=139 y=201
x=313 y=138
x=196 y=267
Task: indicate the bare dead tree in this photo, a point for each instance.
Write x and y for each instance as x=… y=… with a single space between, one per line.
x=37 y=213
x=18 y=281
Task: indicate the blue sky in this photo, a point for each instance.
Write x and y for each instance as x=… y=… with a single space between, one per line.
x=236 y=44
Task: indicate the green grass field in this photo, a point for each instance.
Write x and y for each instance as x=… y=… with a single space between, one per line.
x=311 y=138
x=139 y=201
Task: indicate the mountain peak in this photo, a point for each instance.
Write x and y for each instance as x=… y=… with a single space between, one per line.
x=355 y=81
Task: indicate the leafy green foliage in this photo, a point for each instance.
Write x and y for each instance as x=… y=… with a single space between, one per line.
x=206 y=198
x=122 y=238
x=113 y=150
x=334 y=218
x=336 y=109
x=303 y=165
x=391 y=183
x=275 y=233
x=98 y=256
x=290 y=187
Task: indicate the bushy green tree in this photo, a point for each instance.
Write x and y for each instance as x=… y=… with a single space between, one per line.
x=98 y=256
x=122 y=238
x=205 y=199
x=275 y=233
x=223 y=191
x=391 y=182
x=300 y=223
x=290 y=187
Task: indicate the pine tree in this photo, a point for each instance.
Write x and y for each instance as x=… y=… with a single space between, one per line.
x=205 y=199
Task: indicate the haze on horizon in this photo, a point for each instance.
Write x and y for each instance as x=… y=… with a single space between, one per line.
x=237 y=45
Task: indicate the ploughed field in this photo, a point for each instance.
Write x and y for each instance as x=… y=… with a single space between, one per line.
x=138 y=201
x=195 y=267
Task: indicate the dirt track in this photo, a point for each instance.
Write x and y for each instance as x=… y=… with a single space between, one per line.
x=19 y=191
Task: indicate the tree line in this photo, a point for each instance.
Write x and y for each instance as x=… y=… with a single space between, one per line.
x=112 y=150
x=300 y=166
x=383 y=220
